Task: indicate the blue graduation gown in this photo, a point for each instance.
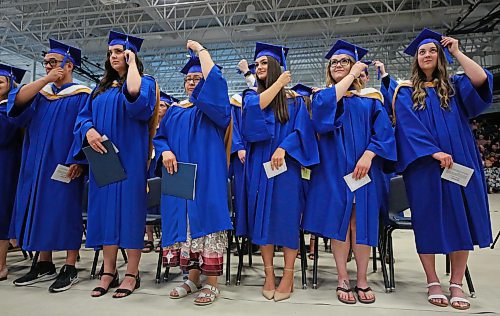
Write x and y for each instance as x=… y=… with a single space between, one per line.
x=117 y=212
x=346 y=129
x=450 y=217
x=275 y=206
x=194 y=132
x=236 y=168
x=47 y=213
x=10 y=160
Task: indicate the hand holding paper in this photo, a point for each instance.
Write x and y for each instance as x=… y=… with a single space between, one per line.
x=270 y=172
x=354 y=184
x=458 y=174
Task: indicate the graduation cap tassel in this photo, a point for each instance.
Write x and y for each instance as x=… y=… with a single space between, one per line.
x=283 y=58
x=65 y=59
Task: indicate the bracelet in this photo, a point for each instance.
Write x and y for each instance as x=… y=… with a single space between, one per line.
x=248 y=73
x=353 y=76
x=201 y=50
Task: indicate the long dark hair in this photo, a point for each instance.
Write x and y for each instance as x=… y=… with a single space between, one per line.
x=111 y=75
x=279 y=103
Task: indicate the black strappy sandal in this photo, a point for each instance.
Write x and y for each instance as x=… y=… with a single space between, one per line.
x=344 y=300
x=127 y=292
x=114 y=283
x=362 y=300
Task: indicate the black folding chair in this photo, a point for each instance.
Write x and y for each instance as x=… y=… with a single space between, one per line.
x=398 y=202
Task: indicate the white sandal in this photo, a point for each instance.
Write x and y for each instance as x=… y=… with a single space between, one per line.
x=182 y=292
x=214 y=293
x=458 y=299
x=442 y=297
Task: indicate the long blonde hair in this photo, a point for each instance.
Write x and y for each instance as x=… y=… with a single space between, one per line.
x=444 y=88
x=357 y=83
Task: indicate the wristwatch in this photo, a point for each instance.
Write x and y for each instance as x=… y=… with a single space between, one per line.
x=248 y=73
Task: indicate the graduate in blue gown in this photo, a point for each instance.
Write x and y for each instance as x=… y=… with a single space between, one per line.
x=276 y=127
x=122 y=107
x=10 y=159
x=355 y=136
x=432 y=132
x=193 y=130
x=48 y=213
x=154 y=171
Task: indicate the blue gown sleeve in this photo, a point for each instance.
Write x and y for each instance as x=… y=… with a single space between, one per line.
x=257 y=124
x=326 y=112
x=160 y=141
x=82 y=125
x=143 y=105
x=382 y=141
x=237 y=140
x=211 y=96
x=301 y=144
x=76 y=146
x=471 y=100
x=387 y=88
x=21 y=114
x=412 y=137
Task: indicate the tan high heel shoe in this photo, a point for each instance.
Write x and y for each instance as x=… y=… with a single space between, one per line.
x=268 y=294
x=280 y=296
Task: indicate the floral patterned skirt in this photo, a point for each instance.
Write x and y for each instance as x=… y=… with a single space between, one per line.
x=205 y=253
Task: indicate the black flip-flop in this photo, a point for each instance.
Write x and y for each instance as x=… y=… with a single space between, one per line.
x=345 y=291
x=362 y=300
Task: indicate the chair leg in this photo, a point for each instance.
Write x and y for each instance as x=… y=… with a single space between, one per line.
x=495 y=241
x=94 y=263
x=30 y=253
x=448 y=265
x=25 y=254
x=391 y=261
x=250 y=250
x=470 y=285
x=228 y=256
x=240 y=260
x=374 y=255
x=315 y=264
x=166 y=274
x=35 y=259
x=303 y=260
x=158 y=267
x=124 y=255
x=383 y=259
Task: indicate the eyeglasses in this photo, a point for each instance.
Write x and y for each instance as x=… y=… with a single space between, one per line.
x=194 y=80
x=52 y=62
x=344 y=62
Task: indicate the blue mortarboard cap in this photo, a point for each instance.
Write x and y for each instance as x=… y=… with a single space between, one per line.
x=15 y=74
x=277 y=52
x=251 y=67
x=128 y=41
x=425 y=37
x=193 y=64
x=168 y=98
x=69 y=52
x=303 y=90
x=343 y=47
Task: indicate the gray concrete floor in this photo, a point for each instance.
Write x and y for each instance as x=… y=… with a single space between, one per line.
x=245 y=299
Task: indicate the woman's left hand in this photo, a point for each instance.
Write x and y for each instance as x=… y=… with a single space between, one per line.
x=278 y=158
x=129 y=57
x=363 y=165
x=451 y=44
x=194 y=46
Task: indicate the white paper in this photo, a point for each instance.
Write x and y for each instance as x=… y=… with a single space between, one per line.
x=104 y=138
x=354 y=184
x=273 y=173
x=60 y=174
x=458 y=174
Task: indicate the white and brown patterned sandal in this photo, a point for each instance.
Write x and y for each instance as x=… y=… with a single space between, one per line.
x=458 y=299
x=182 y=292
x=431 y=297
x=212 y=296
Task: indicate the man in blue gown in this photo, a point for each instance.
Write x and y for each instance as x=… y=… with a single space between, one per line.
x=48 y=213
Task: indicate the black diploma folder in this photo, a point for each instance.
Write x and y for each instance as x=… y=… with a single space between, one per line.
x=107 y=167
x=180 y=184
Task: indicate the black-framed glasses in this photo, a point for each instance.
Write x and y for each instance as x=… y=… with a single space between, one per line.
x=344 y=62
x=194 y=80
x=52 y=62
